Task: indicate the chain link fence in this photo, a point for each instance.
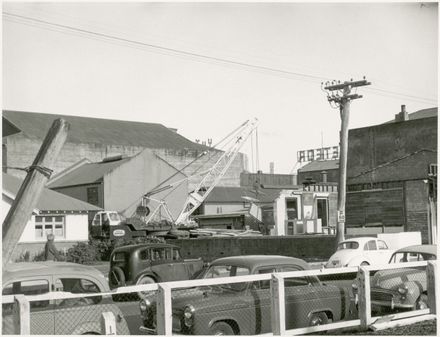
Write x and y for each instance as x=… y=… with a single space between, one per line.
x=281 y=301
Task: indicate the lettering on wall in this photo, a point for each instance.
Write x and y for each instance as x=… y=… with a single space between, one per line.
x=324 y=153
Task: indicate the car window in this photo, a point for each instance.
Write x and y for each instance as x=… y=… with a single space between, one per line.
x=77 y=286
x=144 y=254
x=263 y=284
x=226 y=271
x=176 y=254
x=29 y=287
x=370 y=245
x=294 y=281
x=348 y=245
x=158 y=254
x=410 y=257
x=381 y=244
x=119 y=257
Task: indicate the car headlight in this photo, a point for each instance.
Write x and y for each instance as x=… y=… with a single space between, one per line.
x=144 y=305
x=188 y=316
x=354 y=287
x=403 y=290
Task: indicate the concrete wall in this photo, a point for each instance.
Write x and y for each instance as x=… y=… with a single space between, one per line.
x=307 y=247
x=126 y=184
x=21 y=152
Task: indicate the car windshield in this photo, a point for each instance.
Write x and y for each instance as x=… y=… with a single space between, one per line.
x=114 y=217
x=218 y=271
x=348 y=245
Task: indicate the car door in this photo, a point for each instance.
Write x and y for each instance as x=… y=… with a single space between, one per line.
x=78 y=315
x=165 y=264
x=259 y=303
x=371 y=252
x=383 y=252
x=41 y=312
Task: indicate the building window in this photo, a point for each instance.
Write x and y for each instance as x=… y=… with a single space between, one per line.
x=92 y=196
x=292 y=209
x=45 y=225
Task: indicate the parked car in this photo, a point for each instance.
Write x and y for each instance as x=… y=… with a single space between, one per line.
x=73 y=316
x=403 y=288
x=150 y=263
x=245 y=308
x=360 y=251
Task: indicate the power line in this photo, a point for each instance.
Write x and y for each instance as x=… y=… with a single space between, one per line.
x=175 y=51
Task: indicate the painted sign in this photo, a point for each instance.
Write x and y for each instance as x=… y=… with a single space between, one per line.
x=324 y=153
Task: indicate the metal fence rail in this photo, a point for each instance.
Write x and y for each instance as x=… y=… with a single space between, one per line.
x=271 y=304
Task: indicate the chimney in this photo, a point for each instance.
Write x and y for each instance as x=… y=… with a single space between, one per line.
x=272 y=167
x=324 y=176
x=402 y=115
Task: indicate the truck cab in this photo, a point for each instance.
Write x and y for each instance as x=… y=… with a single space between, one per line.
x=102 y=221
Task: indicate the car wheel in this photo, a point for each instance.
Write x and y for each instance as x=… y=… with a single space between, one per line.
x=145 y=280
x=422 y=302
x=365 y=263
x=318 y=318
x=221 y=328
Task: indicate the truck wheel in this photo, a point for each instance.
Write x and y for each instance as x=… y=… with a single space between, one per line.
x=145 y=280
x=117 y=277
x=318 y=318
x=422 y=302
x=221 y=328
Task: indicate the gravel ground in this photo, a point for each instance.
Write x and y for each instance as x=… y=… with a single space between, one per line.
x=426 y=328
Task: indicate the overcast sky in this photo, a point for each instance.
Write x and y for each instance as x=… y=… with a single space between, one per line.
x=99 y=60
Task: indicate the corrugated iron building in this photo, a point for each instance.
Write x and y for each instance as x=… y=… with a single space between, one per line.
x=387 y=176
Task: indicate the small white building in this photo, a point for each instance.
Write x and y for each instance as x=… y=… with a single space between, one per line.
x=56 y=213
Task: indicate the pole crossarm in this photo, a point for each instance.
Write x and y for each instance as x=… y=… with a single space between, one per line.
x=339 y=99
x=352 y=84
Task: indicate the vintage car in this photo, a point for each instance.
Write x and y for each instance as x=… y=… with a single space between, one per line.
x=360 y=251
x=71 y=316
x=150 y=263
x=245 y=308
x=403 y=288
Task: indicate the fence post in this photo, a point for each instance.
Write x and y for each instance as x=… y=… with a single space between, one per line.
x=164 y=311
x=21 y=315
x=278 y=305
x=364 y=298
x=108 y=323
x=432 y=294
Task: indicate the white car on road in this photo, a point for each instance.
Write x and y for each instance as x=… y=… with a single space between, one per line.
x=360 y=251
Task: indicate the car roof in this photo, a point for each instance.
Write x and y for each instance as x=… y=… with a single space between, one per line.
x=131 y=248
x=255 y=261
x=361 y=239
x=424 y=249
x=45 y=268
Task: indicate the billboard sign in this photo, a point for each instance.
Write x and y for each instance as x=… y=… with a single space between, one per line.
x=323 y=153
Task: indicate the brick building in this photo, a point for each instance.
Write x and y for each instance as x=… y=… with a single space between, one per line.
x=95 y=139
x=387 y=175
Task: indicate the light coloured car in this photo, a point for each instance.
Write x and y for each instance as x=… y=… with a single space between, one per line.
x=360 y=251
x=403 y=288
x=70 y=316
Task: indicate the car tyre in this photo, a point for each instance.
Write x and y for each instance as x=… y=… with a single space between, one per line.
x=145 y=280
x=221 y=328
x=365 y=263
x=422 y=302
x=318 y=318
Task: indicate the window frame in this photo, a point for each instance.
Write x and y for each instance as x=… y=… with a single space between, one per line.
x=43 y=226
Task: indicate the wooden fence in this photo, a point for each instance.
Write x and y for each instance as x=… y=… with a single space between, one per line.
x=164 y=300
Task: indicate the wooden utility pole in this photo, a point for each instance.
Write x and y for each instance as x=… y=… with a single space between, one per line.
x=32 y=187
x=339 y=94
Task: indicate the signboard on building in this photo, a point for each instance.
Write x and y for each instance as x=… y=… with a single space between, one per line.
x=323 y=153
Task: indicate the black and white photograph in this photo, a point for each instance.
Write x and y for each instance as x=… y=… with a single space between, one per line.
x=219 y=168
